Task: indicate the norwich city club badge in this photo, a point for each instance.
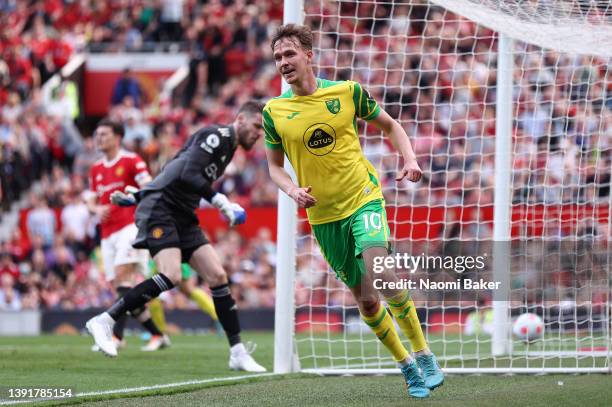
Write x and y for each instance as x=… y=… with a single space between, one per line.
x=333 y=105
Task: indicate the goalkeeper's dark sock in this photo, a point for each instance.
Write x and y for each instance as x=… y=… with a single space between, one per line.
x=227 y=313
x=138 y=296
x=143 y=316
x=119 y=326
x=150 y=326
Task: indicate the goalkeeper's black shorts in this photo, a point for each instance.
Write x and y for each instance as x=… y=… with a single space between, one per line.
x=160 y=227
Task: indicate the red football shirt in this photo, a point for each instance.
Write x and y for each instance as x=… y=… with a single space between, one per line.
x=108 y=176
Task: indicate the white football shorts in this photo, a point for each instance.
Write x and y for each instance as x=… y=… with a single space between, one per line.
x=117 y=250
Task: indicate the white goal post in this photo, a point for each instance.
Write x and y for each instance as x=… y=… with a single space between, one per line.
x=508 y=105
x=285 y=356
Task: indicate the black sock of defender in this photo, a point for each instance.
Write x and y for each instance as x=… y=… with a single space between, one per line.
x=119 y=326
x=140 y=295
x=227 y=313
x=150 y=326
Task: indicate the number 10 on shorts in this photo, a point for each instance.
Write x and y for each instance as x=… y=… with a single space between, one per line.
x=372 y=220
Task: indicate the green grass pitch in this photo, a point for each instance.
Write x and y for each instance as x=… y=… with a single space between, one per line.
x=67 y=362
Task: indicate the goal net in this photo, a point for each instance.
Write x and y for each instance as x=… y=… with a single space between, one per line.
x=433 y=66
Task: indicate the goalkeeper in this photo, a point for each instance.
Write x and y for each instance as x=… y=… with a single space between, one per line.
x=168 y=227
x=314 y=124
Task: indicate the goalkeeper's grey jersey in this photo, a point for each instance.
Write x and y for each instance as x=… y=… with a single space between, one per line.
x=189 y=175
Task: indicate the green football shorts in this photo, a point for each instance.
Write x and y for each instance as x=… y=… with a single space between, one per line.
x=186 y=271
x=343 y=241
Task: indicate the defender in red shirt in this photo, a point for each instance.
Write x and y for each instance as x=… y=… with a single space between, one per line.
x=116 y=171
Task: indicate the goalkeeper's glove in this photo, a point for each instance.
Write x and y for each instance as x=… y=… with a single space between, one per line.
x=126 y=198
x=233 y=213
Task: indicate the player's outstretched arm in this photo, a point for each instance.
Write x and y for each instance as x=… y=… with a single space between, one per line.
x=394 y=131
x=276 y=161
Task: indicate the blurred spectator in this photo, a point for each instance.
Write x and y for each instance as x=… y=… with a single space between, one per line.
x=52 y=292
x=18 y=246
x=10 y=299
x=86 y=158
x=67 y=140
x=7 y=266
x=136 y=131
x=167 y=147
x=126 y=110
x=197 y=80
x=75 y=218
x=24 y=77
x=64 y=100
x=13 y=172
x=41 y=221
x=60 y=260
x=170 y=19
x=13 y=108
x=127 y=85
x=533 y=120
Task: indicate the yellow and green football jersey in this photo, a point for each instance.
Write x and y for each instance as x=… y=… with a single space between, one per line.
x=318 y=133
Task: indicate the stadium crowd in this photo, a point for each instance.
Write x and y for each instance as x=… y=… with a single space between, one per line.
x=431 y=70
x=437 y=74
x=52 y=261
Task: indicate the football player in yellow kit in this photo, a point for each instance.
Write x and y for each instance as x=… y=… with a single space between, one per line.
x=315 y=125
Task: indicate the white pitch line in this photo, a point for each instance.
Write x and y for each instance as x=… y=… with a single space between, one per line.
x=142 y=388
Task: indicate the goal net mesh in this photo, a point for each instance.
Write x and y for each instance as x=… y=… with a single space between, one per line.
x=432 y=67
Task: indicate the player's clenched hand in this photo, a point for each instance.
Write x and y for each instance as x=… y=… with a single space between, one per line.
x=411 y=171
x=302 y=196
x=233 y=213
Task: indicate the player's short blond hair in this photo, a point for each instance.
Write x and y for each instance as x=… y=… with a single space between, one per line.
x=300 y=32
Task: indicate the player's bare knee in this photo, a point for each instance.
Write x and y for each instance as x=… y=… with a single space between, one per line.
x=216 y=277
x=172 y=271
x=173 y=274
x=168 y=263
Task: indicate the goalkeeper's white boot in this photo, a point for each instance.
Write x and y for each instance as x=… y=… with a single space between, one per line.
x=101 y=328
x=119 y=344
x=157 y=342
x=241 y=359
